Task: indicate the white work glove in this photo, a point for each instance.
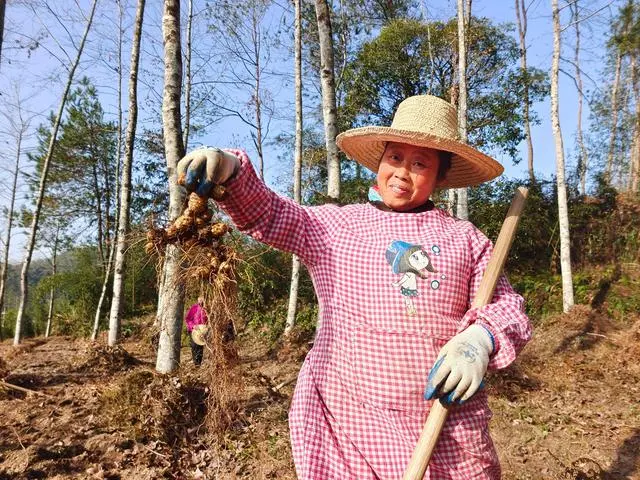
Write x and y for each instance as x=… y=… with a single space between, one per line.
x=202 y=169
x=458 y=372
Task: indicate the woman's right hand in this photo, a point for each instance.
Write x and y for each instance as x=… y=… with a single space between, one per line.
x=202 y=169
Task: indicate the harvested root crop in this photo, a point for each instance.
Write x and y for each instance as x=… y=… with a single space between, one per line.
x=209 y=271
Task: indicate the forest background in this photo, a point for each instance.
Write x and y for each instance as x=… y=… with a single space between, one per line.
x=39 y=38
x=237 y=90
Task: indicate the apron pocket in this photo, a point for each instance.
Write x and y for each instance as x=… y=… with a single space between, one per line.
x=391 y=368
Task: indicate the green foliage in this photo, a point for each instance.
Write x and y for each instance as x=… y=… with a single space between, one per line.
x=263 y=291
x=410 y=57
x=77 y=293
x=351 y=22
x=9 y=323
x=271 y=323
x=78 y=287
x=602 y=229
x=139 y=288
x=616 y=292
x=264 y=278
x=533 y=247
x=623 y=300
x=542 y=292
x=81 y=177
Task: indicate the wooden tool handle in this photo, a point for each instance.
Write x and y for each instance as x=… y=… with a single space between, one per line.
x=438 y=414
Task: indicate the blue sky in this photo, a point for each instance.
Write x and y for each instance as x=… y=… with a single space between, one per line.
x=540 y=52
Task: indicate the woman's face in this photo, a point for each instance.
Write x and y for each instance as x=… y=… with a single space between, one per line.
x=407 y=175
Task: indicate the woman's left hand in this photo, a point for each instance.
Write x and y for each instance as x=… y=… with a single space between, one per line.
x=203 y=168
x=461 y=365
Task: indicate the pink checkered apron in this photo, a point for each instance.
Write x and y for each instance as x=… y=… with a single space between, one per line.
x=358 y=408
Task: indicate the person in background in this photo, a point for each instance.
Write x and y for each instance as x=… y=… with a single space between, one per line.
x=395 y=279
x=196 y=316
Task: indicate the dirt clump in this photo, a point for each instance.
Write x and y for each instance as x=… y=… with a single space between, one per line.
x=99 y=358
x=146 y=405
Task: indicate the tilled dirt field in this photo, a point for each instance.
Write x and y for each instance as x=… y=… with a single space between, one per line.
x=568 y=409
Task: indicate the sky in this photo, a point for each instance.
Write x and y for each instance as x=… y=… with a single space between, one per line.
x=40 y=79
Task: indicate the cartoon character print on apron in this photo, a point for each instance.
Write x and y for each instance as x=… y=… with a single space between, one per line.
x=392 y=351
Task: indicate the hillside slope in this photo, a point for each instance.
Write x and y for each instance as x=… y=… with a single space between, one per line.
x=567 y=409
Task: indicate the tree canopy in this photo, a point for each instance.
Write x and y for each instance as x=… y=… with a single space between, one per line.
x=410 y=57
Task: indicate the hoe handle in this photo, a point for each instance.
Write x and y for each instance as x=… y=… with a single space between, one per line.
x=438 y=414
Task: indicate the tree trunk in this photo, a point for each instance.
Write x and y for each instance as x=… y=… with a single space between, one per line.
x=52 y=291
x=7 y=243
x=634 y=163
x=563 y=214
x=614 y=118
x=113 y=243
x=54 y=270
x=462 y=210
x=583 y=162
x=43 y=182
x=3 y=4
x=187 y=77
x=329 y=110
x=521 y=16
x=297 y=168
x=125 y=185
x=103 y=293
x=173 y=288
x=257 y=100
x=427 y=22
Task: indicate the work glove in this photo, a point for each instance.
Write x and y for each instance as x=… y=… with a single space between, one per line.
x=204 y=168
x=460 y=367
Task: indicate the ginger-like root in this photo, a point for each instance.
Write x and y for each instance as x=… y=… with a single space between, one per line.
x=199 y=239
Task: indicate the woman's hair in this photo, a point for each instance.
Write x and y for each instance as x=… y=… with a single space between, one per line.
x=444 y=164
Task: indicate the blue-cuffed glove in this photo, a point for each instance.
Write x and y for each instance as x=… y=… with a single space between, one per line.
x=458 y=372
x=202 y=169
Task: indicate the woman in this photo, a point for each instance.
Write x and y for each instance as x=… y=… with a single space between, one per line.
x=196 y=321
x=359 y=405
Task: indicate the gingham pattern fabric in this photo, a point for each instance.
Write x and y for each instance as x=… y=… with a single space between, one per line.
x=358 y=406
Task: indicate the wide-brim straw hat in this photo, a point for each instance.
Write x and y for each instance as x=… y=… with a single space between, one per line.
x=199 y=334
x=424 y=121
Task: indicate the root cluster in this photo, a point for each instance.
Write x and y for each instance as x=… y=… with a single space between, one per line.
x=208 y=270
x=198 y=237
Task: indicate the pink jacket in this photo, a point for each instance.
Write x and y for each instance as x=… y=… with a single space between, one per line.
x=195 y=316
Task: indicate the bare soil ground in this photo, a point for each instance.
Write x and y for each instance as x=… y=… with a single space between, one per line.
x=568 y=409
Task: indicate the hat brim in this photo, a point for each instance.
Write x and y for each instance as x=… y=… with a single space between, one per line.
x=469 y=166
x=199 y=334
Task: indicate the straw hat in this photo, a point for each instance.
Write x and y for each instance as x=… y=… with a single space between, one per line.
x=199 y=334
x=425 y=121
